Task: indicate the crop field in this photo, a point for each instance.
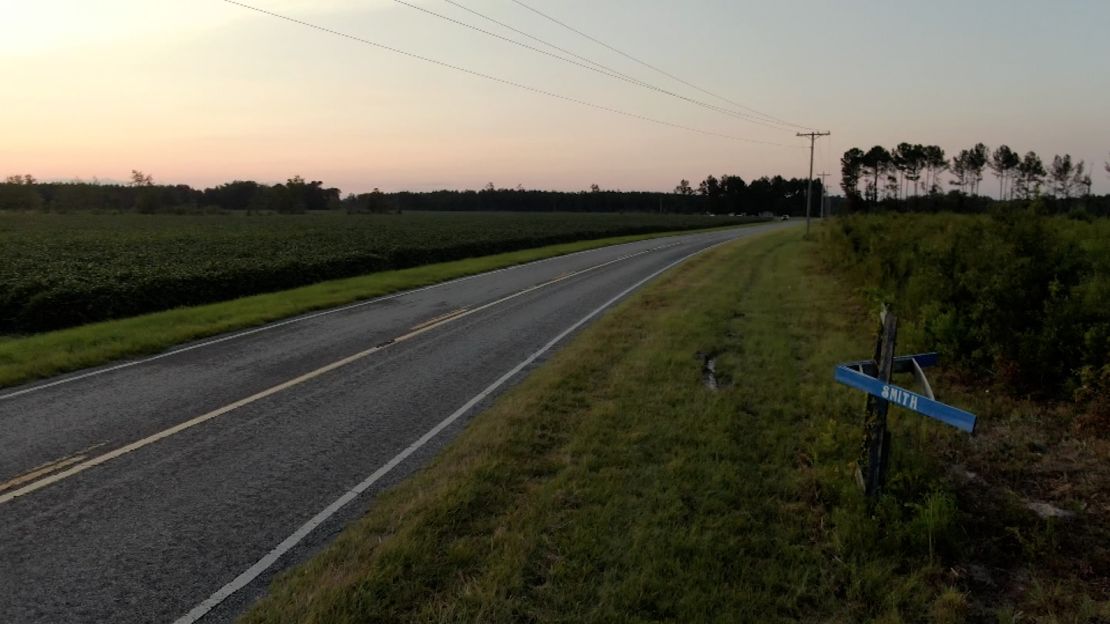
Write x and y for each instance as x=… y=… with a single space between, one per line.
x=64 y=270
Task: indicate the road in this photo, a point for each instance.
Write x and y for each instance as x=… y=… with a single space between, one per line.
x=174 y=488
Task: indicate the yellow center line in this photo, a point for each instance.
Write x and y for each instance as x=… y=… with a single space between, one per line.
x=48 y=467
x=41 y=471
x=82 y=466
x=438 y=319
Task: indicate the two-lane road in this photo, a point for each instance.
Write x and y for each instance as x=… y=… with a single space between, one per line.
x=176 y=486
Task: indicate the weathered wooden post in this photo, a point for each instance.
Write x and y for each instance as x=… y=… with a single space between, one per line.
x=873 y=377
x=876 y=442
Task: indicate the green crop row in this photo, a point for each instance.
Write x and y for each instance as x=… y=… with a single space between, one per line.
x=64 y=270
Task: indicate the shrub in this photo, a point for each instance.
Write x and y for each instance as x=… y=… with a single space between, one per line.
x=1020 y=298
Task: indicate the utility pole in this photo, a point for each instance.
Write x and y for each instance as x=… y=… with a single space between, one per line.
x=809 y=189
x=824 y=191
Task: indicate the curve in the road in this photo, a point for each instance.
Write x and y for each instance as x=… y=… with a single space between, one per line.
x=417 y=330
x=205 y=517
x=288 y=543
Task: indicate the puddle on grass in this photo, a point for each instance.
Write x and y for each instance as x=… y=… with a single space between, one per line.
x=709 y=371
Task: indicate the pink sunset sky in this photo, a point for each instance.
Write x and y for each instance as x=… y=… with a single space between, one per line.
x=204 y=91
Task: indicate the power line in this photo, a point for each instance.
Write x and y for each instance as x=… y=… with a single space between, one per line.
x=503 y=81
x=596 y=66
x=512 y=41
x=537 y=39
x=658 y=70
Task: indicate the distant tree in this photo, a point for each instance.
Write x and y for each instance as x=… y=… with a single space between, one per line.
x=138 y=178
x=236 y=195
x=1030 y=176
x=1061 y=173
x=977 y=158
x=734 y=190
x=710 y=187
x=595 y=188
x=684 y=188
x=910 y=161
x=851 y=169
x=961 y=171
x=900 y=160
x=875 y=163
x=893 y=183
x=374 y=202
x=733 y=186
x=274 y=198
x=148 y=200
x=305 y=195
x=1003 y=162
x=917 y=167
x=16 y=193
x=1081 y=181
x=935 y=164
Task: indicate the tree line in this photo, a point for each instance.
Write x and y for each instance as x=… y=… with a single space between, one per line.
x=777 y=195
x=713 y=195
x=910 y=171
x=728 y=194
x=25 y=193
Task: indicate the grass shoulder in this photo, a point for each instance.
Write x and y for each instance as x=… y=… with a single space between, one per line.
x=613 y=485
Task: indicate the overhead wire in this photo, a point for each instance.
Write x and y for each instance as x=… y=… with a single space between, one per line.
x=594 y=65
x=657 y=69
x=503 y=81
x=537 y=39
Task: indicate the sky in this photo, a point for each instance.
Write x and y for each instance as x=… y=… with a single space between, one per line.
x=202 y=92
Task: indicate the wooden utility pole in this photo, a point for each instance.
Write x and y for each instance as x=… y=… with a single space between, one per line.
x=809 y=188
x=824 y=191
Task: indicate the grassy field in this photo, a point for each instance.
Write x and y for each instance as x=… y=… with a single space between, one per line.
x=582 y=496
x=66 y=270
x=46 y=354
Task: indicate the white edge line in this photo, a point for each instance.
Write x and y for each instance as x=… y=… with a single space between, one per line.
x=203 y=418
x=256 y=570
x=313 y=315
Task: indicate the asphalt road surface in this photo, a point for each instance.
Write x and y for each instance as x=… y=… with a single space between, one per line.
x=174 y=488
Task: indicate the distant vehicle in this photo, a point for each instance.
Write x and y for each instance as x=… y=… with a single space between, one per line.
x=784 y=218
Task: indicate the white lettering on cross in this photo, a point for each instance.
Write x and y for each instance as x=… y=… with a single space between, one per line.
x=902 y=397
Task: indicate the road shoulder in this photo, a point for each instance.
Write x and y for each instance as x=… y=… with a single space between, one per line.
x=614 y=484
